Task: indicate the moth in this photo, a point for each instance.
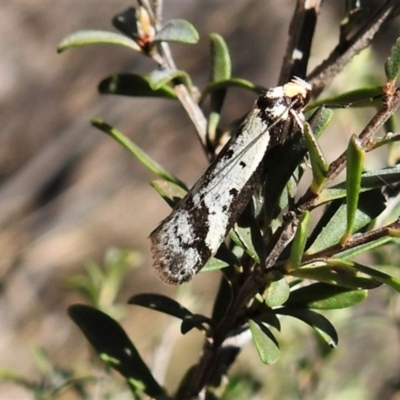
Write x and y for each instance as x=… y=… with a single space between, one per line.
x=199 y=223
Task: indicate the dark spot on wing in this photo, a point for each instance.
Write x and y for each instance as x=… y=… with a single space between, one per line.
x=228 y=155
x=242 y=164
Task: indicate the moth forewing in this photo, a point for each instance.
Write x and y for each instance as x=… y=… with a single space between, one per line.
x=195 y=229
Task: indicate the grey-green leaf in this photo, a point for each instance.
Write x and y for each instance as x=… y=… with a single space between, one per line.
x=140 y=155
x=277 y=292
x=135 y=86
x=318 y=322
x=177 y=30
x=336 y=273
x=115 y=348
x=220 y=59
x=161 y=77
x=392 y=65
x=160 y=303
x=84 y=38
x=355 y=163
x=266 y=344
x=319 y=165
x=391 y=281
x=299 y=242
x=325 y=297
x=170 y=192
x=331 y=229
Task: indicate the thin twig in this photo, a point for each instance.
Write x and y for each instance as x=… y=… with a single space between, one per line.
x=355 y=241
x=301 y=33
x=323 y=74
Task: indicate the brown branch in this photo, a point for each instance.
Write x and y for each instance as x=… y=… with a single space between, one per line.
x=356 y=241
x=323 y=74
x=301 y=33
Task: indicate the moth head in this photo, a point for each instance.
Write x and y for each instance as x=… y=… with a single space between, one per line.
x=298 y=88
x=277 y=102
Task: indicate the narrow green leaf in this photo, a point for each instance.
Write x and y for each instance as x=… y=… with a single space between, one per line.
x=115 y=348
x=133 y=85
x=266 y=344
x=365 y=97
x=220 y=59
x=222 y=300
x=271 y=319
x=319 y=165
x=139 y=154
x=332 y=225
x=325 y=297
x=369 y=180
x=229 y=83
x=391 y=281
x=355 y=162
x=247 y=235
x=363 y=248
x=84 y=38
x=214 y=264
x=285 y=160
x=318 y=322
x=161 y=77
x=170 y=192
x=224 y=258
x=177 y=30
x=196 y=321
x=299 y=243
x=392 y=65
x=160 y=303
x=320 y=120
x=220 y=69
x=337 y=273
x=278 y=290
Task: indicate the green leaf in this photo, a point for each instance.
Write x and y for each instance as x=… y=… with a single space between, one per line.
x=220 y=69
x=332 y=225
x=135 y=86
x=195 y=321
x=161 y=77
x=355 y=162
x=224 y=258
x=365 y=97
x=336 y=273
x=319 y=120
x=354 y=251
x=325 y=297
x=318 y=322
x=247 y=235
x=114 y=347
x=220 y=59
x=391 y=281
x=278 y=290
x=214 y=264
x=170 y=192
x=229 y=83
x=392 y=65
x=319 y=165
x=139 y=154
x=222 y=301
x=285 y=160
x=266 y=344
x=83 y=38
x=177 y=30
x=299 y=243
x=160 y=303
x=369 y=180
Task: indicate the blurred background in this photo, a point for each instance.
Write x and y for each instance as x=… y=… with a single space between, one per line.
x=68 y=193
